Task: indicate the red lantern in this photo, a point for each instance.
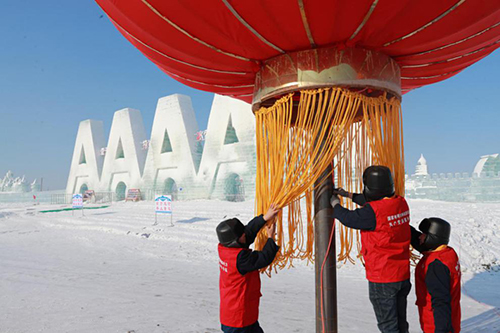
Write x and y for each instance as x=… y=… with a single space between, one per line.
x=219 y=46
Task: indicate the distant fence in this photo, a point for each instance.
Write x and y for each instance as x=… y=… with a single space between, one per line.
x=35 y=197
x=98 y=197
x=458 y=187
x=150 y=194
x=60 y=197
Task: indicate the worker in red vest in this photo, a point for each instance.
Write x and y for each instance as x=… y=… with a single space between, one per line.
x=437 y=277
x=385 y=238
x=239 y=281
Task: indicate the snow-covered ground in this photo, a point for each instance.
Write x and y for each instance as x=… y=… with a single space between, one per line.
x=114 y=271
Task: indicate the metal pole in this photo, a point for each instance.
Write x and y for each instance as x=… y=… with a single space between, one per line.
x=323 y=224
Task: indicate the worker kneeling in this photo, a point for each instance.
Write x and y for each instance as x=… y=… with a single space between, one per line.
x=437 y=277
x=239 y=281
x=385 y=239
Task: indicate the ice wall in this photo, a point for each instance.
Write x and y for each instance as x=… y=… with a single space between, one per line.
x=482 y=185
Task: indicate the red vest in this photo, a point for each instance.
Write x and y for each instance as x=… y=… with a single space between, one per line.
x=386 y=250
x=239 y=294
x=448 y=257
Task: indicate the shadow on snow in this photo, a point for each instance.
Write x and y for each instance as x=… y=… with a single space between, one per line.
x=484 y=288
x=193 y=220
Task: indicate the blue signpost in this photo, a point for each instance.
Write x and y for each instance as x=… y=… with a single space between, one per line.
x=163 y=205
x=77 y=202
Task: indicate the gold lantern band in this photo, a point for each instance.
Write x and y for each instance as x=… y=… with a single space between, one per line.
x=325 y=67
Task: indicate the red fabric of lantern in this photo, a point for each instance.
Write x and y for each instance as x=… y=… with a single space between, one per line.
x=219 y=46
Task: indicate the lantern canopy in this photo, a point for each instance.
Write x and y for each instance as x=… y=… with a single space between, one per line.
x=220 y=46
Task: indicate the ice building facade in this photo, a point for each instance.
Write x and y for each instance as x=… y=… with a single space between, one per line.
x=482 y=185
x=173 y=160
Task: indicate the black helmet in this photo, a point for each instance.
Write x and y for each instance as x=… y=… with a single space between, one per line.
x=437 y=231
x=378 y=183
x=229 y=231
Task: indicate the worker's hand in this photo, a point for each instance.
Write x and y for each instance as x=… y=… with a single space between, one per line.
x=343 y=193
x=271 y=230
x=334 y=201
x=271 y=212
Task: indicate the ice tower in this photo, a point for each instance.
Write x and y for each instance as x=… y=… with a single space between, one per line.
x=173 y=159
x=421 y=168
x=86 y=164
x=228 y=164
x=125 y=156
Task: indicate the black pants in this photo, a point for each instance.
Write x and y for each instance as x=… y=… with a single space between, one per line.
x=254 y=328
x=389 y=303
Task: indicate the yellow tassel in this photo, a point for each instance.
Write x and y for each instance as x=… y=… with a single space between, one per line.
x=297 y=142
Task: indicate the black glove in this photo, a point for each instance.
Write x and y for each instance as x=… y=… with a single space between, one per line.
x=340 y=191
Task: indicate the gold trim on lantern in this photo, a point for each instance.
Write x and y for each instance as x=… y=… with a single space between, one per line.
x=306 y=23
x=326 y=67
x=451 y=44
x=429 y=77
x=451 y=59
x=367 y=17
x=207 y=84
x=249 y=27
x=426 y=25
x=154 y=10
x=175 y=59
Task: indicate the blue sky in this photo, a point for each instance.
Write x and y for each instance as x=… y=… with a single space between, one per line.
x=62 y=62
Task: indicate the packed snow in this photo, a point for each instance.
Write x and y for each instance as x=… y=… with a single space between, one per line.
x=113 y=270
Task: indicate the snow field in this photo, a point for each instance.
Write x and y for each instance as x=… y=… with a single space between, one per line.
x=114 y=271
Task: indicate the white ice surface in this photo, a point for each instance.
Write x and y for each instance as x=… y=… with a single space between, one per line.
x=113 y=271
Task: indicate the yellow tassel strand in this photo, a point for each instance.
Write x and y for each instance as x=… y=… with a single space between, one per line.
x=296 y=143
x=377 y=139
